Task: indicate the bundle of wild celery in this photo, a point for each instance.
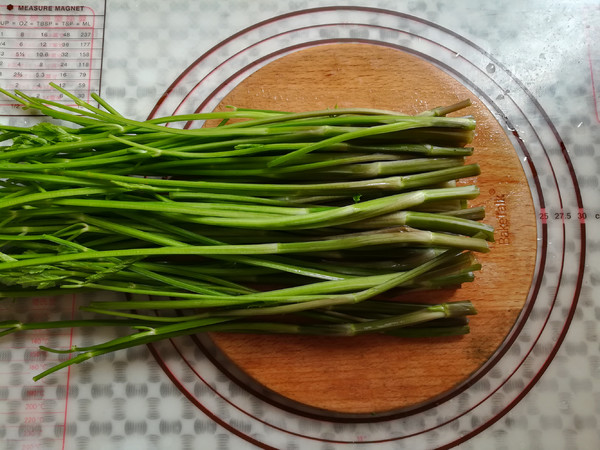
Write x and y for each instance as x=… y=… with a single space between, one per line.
x=269 y=222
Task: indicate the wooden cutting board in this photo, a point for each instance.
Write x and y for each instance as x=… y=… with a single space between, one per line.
x=378 y=374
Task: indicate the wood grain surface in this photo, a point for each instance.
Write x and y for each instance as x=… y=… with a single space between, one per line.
x=375 y=374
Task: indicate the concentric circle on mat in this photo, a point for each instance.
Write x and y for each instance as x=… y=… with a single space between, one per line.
x=529 y=345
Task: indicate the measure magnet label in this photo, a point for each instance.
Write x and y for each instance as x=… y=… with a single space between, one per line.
x=57 y=42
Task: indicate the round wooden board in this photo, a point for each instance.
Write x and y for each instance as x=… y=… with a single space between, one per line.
x=378 y=374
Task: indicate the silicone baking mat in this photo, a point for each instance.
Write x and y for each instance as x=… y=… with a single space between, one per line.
x=533 y=65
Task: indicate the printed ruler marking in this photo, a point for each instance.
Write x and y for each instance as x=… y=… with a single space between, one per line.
x=592 y=34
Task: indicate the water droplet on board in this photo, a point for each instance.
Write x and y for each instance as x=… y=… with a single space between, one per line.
x=491 y=68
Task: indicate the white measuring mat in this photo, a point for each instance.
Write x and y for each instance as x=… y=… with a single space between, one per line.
x=43 y=42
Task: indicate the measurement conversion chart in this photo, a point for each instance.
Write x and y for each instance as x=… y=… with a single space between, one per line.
x=43 y=42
